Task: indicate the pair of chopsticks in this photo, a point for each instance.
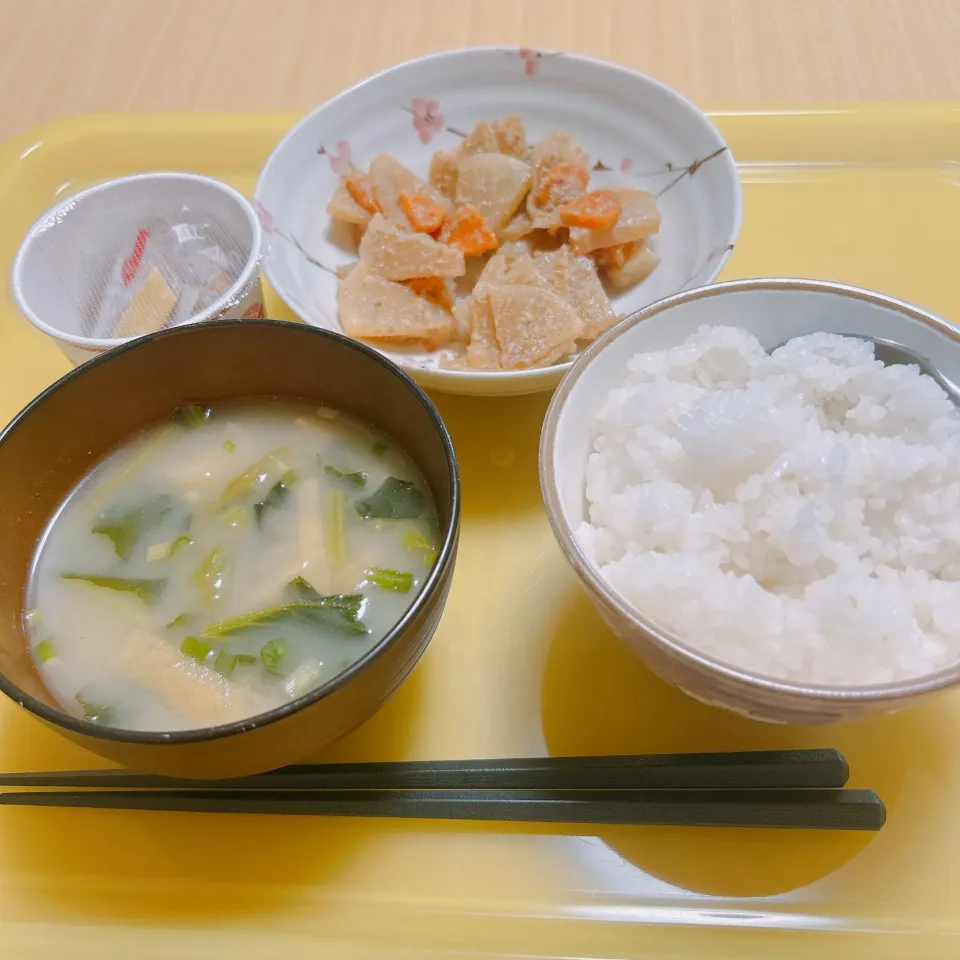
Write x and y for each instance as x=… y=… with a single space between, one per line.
x=778 y=788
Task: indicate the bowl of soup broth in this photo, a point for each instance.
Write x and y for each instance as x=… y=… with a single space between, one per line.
x=225 y=545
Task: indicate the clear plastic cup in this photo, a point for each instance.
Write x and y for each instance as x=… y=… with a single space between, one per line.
x=137 y=254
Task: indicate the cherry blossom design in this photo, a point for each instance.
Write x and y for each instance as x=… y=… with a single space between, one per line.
x=531 y=60
x=626 y=165
x=266 y=218
x=427 y=119
x=341 y=159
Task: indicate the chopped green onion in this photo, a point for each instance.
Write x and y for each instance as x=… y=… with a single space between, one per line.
x=395 y=500
x=180 y=621
x=195 y=648
x=94 y=712
x=273 y=653
x=160 y=551
x=148 y=591
x=416 y=542
x=304 y=678
x=210 y=575
x=390 y=579
x=246 y=659
x=46 y=650
x=191 y=415
x=358 y=478
x=336 y=528
x=243 y=483
x=229 y=446
x=236 y=517
x=182 y=541
x=380 y=448
x=226 y=663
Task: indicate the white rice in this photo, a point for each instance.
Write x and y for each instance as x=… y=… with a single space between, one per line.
x=797 y=515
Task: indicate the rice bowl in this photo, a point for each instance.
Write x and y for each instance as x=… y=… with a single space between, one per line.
x=791 y=513
x=765 y=660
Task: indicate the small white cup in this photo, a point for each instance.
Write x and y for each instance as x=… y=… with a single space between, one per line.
x=50 y=280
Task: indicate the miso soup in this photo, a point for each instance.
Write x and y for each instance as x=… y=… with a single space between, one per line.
x=226 y=562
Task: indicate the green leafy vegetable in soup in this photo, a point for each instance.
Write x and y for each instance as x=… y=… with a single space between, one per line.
x=147 y=590
x=394 y=500
x=276 y=496
x=400 y=581
x=126 y=528
x=356 y=479
x=191 y=415
x=225 y=562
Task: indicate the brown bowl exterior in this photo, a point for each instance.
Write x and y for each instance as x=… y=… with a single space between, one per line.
x=70 y=427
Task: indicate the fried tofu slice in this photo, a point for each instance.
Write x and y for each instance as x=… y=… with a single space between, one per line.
x=343 y=207
x=390 y=178
x=638 y=266
x=374 y=308
x=495 y=184
x=639 y=218
x=443 y=172
x=511 y=136
x=198 y=692
x=533 y=326
x=401 y=255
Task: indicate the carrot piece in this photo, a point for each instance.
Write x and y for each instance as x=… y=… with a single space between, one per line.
x=425 y=286
x=433 y=289
x=615 y=256
x=425 y=215
x=562 y=175
x=467 y=229
x=359 y=187
x=597 y=210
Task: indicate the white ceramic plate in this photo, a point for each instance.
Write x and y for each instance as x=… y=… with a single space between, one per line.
x=636 y=132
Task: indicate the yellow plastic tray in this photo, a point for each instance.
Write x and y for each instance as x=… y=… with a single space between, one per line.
x=521 y=664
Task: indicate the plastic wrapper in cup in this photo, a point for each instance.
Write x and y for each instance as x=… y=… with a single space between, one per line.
x=137 y=255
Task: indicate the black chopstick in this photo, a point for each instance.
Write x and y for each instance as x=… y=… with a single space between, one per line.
x=810 y=809
x=758 y=769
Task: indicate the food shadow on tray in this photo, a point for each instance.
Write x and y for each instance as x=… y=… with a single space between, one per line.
x=598 y=698
x=83 y=861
